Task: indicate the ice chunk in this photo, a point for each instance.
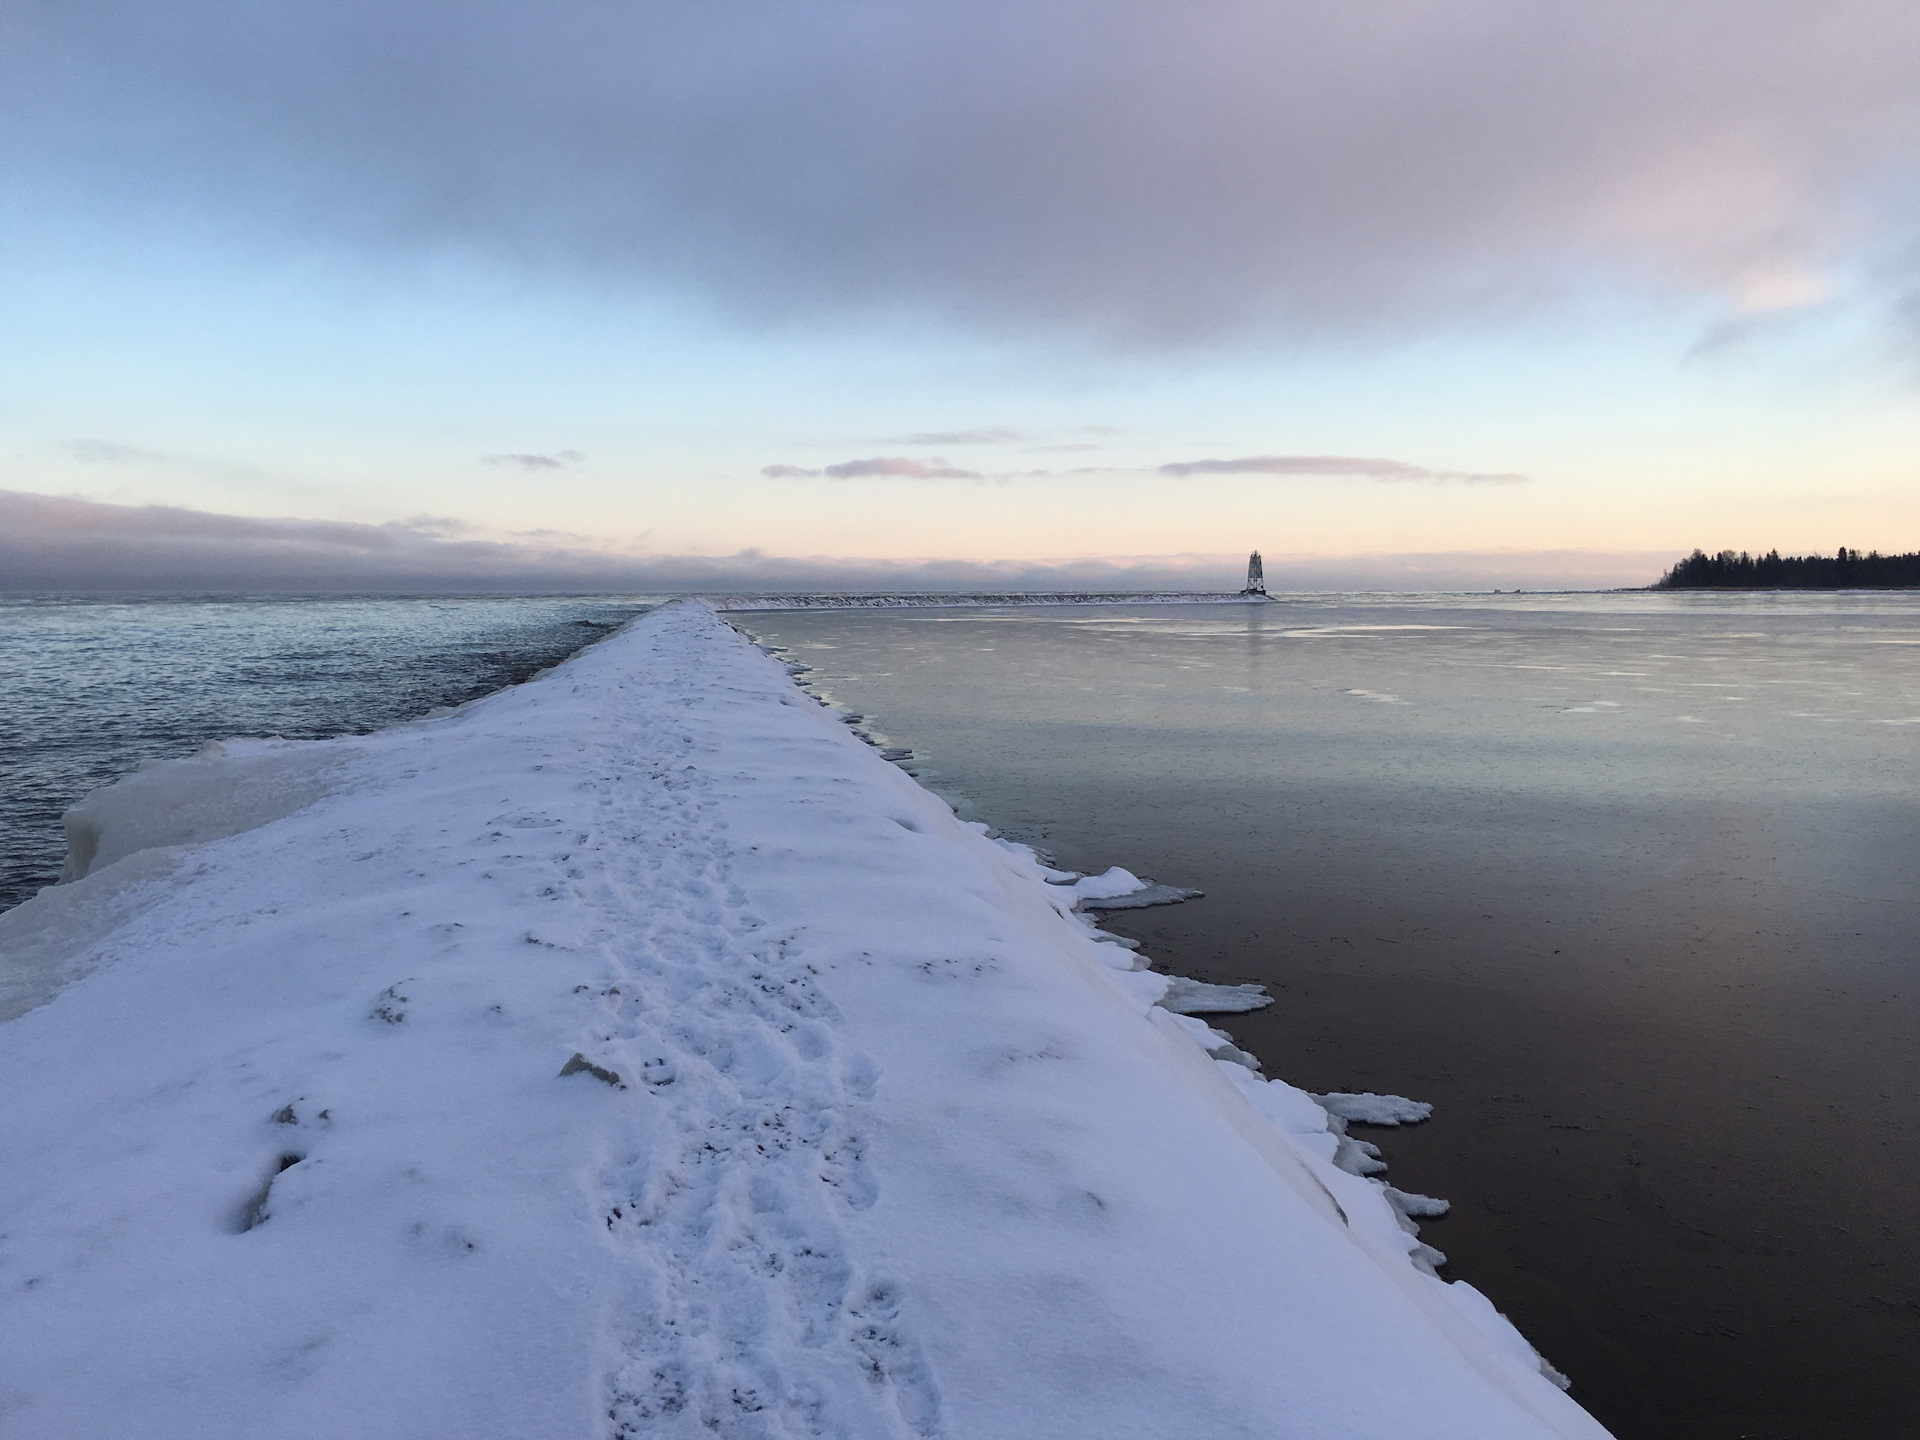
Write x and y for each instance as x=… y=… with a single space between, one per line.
x=227 y=787
x=1191 y=997
x=1358 y=1157
x=1427 y=1259
x=1418 y=1207
x=1370 y=1109
x=56 y=937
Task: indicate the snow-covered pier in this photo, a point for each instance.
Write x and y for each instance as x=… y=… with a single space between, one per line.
x=636 y=1052
x=956 y=600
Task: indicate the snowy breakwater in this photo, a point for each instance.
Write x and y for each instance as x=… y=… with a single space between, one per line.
x=748 y=603
x=863 y=1129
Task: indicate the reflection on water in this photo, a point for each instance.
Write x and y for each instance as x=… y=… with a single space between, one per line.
x=90 y=689
x=1623 y=883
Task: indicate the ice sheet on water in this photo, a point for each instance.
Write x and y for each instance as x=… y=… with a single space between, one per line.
x=1367 y=1108
x=1192 y=997
x=1119 y=889
x=1147 y=895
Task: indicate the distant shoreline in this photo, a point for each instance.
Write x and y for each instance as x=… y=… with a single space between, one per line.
x=1844 y=570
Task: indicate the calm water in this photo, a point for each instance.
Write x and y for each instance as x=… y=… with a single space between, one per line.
x=89 y=689
x=1623 y=884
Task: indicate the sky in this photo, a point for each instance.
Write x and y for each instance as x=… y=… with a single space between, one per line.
x=846 y=294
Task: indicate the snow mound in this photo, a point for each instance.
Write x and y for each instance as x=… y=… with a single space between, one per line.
x=1114 y=883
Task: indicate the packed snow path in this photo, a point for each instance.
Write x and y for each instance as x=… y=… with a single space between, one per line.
x=861 y=1132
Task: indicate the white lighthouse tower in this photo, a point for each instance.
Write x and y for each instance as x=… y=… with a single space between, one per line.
x=1256 y=577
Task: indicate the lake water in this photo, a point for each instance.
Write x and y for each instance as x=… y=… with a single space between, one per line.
x=1624 y=884
x=90 y=689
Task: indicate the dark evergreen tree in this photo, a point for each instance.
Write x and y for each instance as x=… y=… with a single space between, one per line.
x=1847 y=570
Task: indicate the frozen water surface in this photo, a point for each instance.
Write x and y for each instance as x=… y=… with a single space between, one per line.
x=1623 y=884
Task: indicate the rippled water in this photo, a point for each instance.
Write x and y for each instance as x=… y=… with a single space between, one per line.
x=1625 y=884
x=89 y=689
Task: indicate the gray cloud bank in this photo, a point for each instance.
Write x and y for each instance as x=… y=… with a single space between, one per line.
x=57 y=544
x=1129 y=167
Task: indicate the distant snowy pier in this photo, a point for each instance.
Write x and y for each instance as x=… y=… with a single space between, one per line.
x=636 y=1052
x=937 y=600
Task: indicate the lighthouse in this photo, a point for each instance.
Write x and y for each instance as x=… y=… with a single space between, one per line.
x=1256 y=578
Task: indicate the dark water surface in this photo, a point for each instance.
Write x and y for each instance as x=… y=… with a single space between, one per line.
x=1623 y=884
x=90 y=689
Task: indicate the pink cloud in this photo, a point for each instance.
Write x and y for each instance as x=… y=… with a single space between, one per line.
x=1340 y=465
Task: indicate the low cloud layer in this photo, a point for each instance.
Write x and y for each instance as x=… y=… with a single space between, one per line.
x=1142 y=170
x=903 y=467
x=58 y=544
x=105 y=452
x=1390 y=471
x=522 y=460
x=1008 y=435
x=993 y=435
x=900 y=467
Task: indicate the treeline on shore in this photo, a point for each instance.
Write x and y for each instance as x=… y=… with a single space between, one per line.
x=1844 y=570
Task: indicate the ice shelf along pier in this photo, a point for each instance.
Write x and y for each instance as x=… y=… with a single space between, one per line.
x=637 y=1052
